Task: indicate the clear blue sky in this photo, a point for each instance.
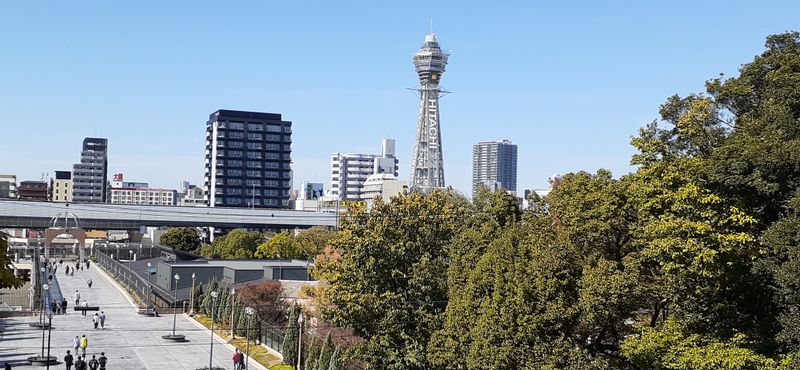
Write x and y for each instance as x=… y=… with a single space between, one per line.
x=569 y=82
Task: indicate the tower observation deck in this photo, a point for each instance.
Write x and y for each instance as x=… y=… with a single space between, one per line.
x=427 y=166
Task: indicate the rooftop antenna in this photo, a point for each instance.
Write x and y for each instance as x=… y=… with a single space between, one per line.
x=431 y=30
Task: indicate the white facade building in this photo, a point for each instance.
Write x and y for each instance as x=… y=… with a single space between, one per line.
x=61 y=187
x=128 y=192
x=383 y=186
x=349 y=171
x=8 y=186
x=193 y=197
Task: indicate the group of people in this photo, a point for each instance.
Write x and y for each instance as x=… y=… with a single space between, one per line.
x=238 y=360
x=59 y=308
x=99 y=319
x=81 y=364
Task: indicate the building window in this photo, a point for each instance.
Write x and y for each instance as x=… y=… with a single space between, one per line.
x=234 y=172
x=255 y=136
x=273 y=137
x=255 y=127
x=252 y=173
x=271 y=146
x=251 y=145
x=236 y=125
x=236 y=135
x=274 y=128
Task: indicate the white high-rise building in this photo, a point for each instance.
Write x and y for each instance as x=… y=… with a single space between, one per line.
x=349 y=171
x=8 y=186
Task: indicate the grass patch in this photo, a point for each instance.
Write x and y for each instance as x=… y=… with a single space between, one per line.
x=257 y=352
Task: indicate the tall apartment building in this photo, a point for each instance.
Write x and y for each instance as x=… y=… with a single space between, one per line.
x=248 y=160
x=61 y=187
x=349 y=171
x=33 y=190
x=90 y=176
x=494 y=164
x=8 y=186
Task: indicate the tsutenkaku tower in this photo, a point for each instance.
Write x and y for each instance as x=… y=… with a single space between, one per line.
x=427 y=165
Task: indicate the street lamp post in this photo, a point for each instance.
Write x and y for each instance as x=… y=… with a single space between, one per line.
x=45 y=287
x=174 y=336
x=248 y=311
x=214 y=295
x=49 y=332
x=233 y=313
x=149 y=287
x=191 y=311
x=299 y=339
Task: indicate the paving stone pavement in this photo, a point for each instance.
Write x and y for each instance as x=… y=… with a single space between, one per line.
x=130 y=341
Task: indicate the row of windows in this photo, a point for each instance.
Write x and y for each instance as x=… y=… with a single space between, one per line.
x=240 y=154
x=239 y=201
x=238 y=191
x=252 y=182
x=252 y=126
x=251 y=173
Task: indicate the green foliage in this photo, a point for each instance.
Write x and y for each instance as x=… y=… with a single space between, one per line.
x=335 y=362
x=668 y=347
x=312 y=355
x=183 y=238
x=237 y=244
x=7 y=279
x=292 y=336
x=326 y=353
x=307 y=244
x=389 y=283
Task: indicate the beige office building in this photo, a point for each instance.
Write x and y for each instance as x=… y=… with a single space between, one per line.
x=61 y=187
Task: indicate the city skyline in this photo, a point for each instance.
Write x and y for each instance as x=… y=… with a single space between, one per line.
x=83 y=70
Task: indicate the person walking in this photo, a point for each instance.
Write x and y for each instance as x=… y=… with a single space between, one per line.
x=64 y=305
x=76 y=343
x=93 y=363
x=53 y=307
x=102 y=320
x=60 y=262
x=241 y=359
x=102 y=360
x=89 y=282
x=237 y=357
x=58 y=308
x=95 y=320
x=77 y=297
x=84 y=344
x=68 y=360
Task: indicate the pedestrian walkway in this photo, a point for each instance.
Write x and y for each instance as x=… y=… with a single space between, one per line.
x=129 y=340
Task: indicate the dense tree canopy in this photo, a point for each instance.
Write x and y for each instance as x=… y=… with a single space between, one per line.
x=690 y=262
x=183 y=238
x=237 y=244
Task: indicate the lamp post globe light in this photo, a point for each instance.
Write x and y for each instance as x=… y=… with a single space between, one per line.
x=173 y=336
x=248 y=311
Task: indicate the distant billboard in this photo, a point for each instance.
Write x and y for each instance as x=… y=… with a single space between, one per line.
x=312 y=190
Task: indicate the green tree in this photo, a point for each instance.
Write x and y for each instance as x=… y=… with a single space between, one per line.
x=237 y=244
x=387 y=279
x=335 y=363
x=282 y=245
x=668 y=347
x=313 y=241
x=7 y=278
x=183 y=238
x=326 y=353
x=312 y=355
x=292 y=336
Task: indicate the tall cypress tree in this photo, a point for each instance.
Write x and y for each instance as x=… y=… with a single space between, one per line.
x=335 y=363
x=290 y=339
x=325 y=353
x=313 y=355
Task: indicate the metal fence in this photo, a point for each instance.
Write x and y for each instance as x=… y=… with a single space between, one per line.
x=137 y=286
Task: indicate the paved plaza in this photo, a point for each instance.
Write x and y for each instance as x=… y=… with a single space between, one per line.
x=129 y=340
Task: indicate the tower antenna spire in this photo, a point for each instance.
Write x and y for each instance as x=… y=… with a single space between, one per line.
x=431 y=30
x=427 y=166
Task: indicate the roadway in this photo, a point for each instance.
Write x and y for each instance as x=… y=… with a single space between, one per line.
x=105 y=216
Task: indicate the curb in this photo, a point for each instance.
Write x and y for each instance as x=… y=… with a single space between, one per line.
x=253 y=364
